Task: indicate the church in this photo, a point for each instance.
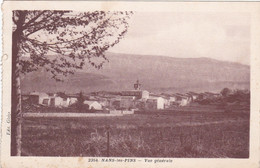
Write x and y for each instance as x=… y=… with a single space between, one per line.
x=137 y=93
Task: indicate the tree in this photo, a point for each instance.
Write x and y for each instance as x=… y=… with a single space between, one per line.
x=59 y=42
x=225 y=92
x=80 y=102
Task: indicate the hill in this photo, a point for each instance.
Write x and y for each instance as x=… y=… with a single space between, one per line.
x=156 y=73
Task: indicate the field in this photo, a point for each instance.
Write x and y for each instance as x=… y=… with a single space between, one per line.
x=210 y=133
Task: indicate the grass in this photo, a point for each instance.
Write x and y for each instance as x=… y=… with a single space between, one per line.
x=212 y=134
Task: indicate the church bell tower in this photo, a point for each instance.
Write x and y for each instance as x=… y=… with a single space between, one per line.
x=137 y=85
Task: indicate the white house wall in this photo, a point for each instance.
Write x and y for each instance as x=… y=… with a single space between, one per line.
x=184 y=102
x=145 y=94
x=41 y=98
x=96 y=106
x=58 y=101
x=160 y=103
x=72 y=100
x=172 y=99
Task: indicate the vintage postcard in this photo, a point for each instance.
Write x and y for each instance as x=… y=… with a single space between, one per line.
x=130 y=84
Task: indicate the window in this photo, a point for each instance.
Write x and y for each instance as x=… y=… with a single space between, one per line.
x=45 y=101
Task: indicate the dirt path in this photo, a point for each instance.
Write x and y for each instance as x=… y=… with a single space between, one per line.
x=73 y=115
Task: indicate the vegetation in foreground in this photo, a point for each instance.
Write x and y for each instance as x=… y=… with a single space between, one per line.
x=170 y=134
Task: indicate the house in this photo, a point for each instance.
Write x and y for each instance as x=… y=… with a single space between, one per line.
x=93 y=105
x=138 y=94
x=182 y=99
x=73 y=100
x=58 y=101
x=189 y=97
x=167 y=102
x=194 y=95
x=202 y=96
x=54 y=100
x=172 y=98
x=177 y=98
x=39 y=98
x=208 y=95
x=155 y=102
x=212 y=95
x=166 y=97
x=103 y=101
x=127 y=102
x=25 y=97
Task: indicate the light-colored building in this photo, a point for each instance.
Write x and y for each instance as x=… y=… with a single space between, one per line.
x=181 y=99
x=39 y=98
x=212 y=95
x=50 y=99
x=189 y=97
x=138 y=94
x=103 y=101
x=58 y=101
x=155 y=103
x=166 y=98
x=73 y=100
x=173 y=99
x=194 y=95
x=93 y=105
x=184 y=101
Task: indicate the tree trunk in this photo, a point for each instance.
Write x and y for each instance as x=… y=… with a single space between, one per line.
x=16 y=111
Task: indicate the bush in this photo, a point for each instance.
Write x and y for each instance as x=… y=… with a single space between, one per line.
x=204 y=101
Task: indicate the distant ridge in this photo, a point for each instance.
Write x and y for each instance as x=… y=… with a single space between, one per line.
x=156 y=73
x=165 y=56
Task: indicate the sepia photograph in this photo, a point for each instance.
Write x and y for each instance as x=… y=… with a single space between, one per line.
x=130 y=84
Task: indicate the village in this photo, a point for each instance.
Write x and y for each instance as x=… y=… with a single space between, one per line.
x=128 y=83
x=118 y=102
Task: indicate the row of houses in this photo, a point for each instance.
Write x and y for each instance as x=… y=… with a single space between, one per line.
x=59 y=100
x=142 y=99
x=53 y=100
x=130 y=99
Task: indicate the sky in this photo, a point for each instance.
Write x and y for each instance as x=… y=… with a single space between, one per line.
x=222 y=36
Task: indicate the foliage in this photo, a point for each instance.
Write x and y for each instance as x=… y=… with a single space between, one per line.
x=225 y=92
x=80 y=102
x=227 y=96
x=204 y=101
x=63 y=41
x=59 y=42
x=62 y=94
x=239 y=96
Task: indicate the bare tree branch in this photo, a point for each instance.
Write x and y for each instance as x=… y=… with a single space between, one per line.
x=33 y=19
x=107 y=28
